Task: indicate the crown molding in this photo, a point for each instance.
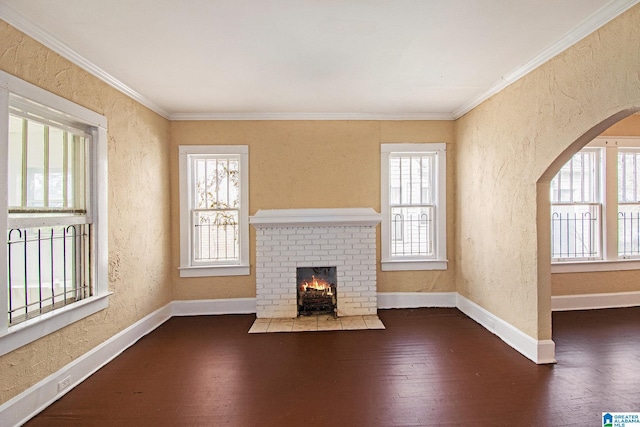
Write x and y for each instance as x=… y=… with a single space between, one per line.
x=310 y=116
x=586 y=27
x=38 y=34
x=589 y=25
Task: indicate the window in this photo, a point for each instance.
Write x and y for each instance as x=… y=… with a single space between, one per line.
x=413 y=206
x=54 y=212
x=629 y=202
x=576 y=208
x=214 y=226
x=595 y=205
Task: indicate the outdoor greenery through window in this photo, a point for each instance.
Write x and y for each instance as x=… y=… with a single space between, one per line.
x=214 y=235
x=216 y=209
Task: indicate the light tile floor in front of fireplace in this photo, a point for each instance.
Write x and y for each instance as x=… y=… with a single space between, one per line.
x=321 y=322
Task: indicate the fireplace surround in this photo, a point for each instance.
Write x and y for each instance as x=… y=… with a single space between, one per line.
x=288 y=239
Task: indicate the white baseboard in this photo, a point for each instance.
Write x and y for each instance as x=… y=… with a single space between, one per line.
x=539 y=351
x=213 y=306
x=416 y=299
x=30 y=402
x=595 y=301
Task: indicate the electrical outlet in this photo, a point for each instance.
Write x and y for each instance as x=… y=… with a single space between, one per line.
x=66 y=382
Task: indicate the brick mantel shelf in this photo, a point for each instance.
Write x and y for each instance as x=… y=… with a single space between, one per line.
x=315 y=217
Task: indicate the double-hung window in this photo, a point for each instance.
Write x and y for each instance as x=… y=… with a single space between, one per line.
x=214 y=229
x=576 y=208
x=595 y=207
x=629 y=202
x=54 y=210
x=413 y=206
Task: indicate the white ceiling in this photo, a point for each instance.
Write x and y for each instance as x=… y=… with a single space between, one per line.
x=403 y=59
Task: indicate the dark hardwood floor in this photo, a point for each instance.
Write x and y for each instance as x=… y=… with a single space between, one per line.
x=429 y=367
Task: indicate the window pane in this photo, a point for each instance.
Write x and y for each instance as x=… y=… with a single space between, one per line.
x=16 y=171
x=575 y=231
x=47 y=166
x=628 y=164
x=56 y=168
x=217 y=184
x=577 y=181
x=411 y=179
x=47 y=269
x=35 y=164
x=216 y=236
x=412 y=231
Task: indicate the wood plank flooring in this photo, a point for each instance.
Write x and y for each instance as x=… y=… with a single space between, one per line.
x=428 y=367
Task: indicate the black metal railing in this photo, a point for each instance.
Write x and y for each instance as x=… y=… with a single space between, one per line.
x=47 y=269
x=216 y=238
x=629 y=232
x=411 y=233
x=575 y=234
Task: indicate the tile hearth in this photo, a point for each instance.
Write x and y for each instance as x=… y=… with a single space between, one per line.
x=316 y=323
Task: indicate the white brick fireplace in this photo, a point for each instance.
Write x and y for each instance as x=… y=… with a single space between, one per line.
x=287 y=239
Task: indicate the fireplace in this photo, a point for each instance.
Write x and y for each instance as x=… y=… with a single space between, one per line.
x=316 y=290
x=317 y=239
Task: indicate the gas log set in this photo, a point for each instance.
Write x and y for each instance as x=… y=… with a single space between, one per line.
x=316 y=290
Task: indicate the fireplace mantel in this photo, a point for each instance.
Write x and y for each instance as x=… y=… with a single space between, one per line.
x=328 y=217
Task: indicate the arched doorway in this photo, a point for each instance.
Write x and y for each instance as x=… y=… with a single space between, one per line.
x=545 y=290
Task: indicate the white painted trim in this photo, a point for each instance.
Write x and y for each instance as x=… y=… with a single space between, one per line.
x=188 y=268
x=586 y=27
x=410 y=265
x=539 y=351
x=56 y=107
x=589 y=25
x=593 y=266
x=47 y=323
x=30 y=402
x=32 y=30
x=217 y=270
x=439 y=261
x=213 y=306
x=315 y=217
x=388 y=300
x=595 y=301
x=311 y=116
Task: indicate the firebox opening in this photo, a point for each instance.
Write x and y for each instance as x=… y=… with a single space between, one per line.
x=316 y=290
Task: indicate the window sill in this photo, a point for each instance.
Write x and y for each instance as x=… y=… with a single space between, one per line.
x=595 y=266
x=31 y=330
x=406 y=265
x=219 y=270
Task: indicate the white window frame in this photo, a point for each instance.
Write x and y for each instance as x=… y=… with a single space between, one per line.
x=595 y=201
x=439 y=260
x=610 y=261
x=187 y=267
x=57 y=108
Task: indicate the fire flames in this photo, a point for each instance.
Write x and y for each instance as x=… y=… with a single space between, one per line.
x=317 y=285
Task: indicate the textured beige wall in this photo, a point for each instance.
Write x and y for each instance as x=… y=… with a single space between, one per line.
x=507 y=144
x=139 y=216
x=602 y=282
x=595 y=282
x=309 y=164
